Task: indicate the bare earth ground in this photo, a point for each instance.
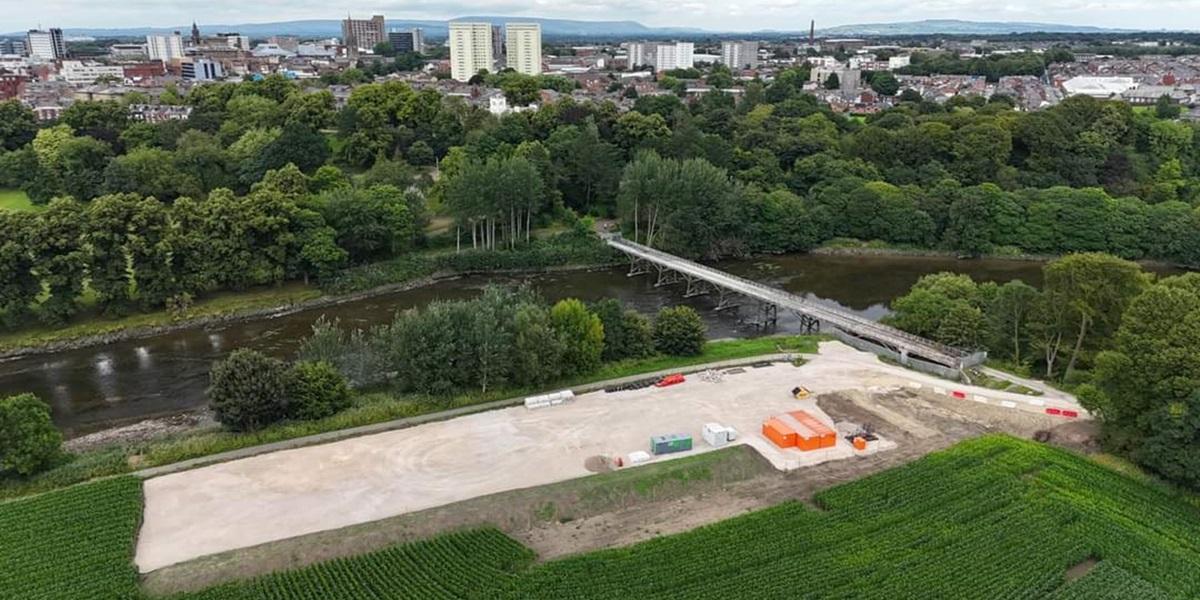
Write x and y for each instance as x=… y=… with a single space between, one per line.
x=341 y=487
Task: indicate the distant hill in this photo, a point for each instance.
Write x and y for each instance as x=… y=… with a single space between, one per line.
x=956 y=27
x=559 y=28
x=333 y=28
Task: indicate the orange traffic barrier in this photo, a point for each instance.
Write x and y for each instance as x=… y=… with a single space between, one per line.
x=860 y=443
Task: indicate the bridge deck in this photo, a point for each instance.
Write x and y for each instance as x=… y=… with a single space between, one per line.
x=839 y=318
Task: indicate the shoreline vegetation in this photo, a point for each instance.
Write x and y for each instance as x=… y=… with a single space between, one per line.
x=400 y=274
x=369 y=407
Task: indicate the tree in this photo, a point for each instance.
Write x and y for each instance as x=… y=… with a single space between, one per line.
x=296 y=144
x=627 y=334
x=103 y=120
x=1172 y=446
x=313 y=110
x=419 y=153
x=249 y=390
x=370 y=223
x=18 y=125
x=582 y=336
x=1009 y=314
x=833 y=82
x=29 y=441
x=885 y=84
x=679 y=331
x=82 y=163
x=19 y=285
x=1166 y=107
x=148 y=172
x=1094 y=289
x=537 y=347
x=520 y=90
x=317 y=390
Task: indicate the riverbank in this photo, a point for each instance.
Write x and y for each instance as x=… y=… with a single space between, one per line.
x=158 y=445
x=848 y=247
x=410 y=272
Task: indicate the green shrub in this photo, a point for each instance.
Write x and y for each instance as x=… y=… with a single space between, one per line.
x=679 y=331
x=317 y=390
x=29 y=441
x=249 y=390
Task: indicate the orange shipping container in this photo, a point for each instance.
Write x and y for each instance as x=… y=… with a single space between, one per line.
x=780 y=433
x=826 y=437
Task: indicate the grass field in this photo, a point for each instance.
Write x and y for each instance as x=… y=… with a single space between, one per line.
x=16 y=200
x=992 y=517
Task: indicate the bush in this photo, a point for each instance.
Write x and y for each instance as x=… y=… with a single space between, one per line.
x=249 y=390
x=317 y=391
x=582 y=335
x=29 y=441
x=627 y=334
x=679 y=331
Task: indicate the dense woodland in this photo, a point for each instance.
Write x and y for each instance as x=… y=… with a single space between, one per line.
x=1126 y=343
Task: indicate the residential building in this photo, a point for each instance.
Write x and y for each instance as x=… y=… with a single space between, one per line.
x=164 y=47
x=12 y=85
x=201 y=69
x=899 y=62
x=407 y=40
x=1098 y=87
x=77 y=72
x=46 y=45
x=471 y=49
x=523 y=44
x=235 y=41
x=640 y=54
x=680 y=55
x=739 y=55
x=497 y=46
x=13 y=46
x=363 y=34
x=848 y=79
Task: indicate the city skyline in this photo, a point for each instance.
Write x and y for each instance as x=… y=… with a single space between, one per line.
x=746 y=16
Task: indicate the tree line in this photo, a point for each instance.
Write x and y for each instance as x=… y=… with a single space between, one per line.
x=126 y=251
x=1127 y=343
x=504 y=339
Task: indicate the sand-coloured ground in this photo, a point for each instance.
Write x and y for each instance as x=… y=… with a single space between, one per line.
x=290 y=493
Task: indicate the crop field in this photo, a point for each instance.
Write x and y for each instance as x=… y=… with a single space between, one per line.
x=73 y=543
x=992 y=517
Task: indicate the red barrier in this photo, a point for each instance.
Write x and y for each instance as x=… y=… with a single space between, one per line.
x=959 y=395
x=1053 y=411
x=1070 y=413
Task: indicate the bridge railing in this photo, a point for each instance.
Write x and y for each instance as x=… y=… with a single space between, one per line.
x=767 y=293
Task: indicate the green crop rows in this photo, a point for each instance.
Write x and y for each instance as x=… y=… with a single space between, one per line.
x=993 y=517
x=73 y=543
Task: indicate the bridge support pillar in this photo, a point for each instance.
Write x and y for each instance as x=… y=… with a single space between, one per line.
x=636 y=267
x=904 y=356
x=695 y=287
x=723 y=302
x=667 y=277
x=809 y=324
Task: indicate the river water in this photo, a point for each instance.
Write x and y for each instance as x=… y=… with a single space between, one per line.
x=103 y=386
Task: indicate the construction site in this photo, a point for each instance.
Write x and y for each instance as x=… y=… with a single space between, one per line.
x=799 y=415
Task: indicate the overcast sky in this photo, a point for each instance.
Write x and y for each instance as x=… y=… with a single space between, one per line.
x=725 y=15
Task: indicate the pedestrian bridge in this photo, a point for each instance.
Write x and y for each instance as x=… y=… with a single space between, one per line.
x=701 y=279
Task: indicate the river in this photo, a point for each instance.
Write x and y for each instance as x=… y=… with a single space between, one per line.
x=102 y=386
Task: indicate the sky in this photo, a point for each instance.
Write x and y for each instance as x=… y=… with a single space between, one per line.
x=723 y=15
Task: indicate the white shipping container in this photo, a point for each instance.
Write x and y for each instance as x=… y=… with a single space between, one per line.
x=715 y=434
